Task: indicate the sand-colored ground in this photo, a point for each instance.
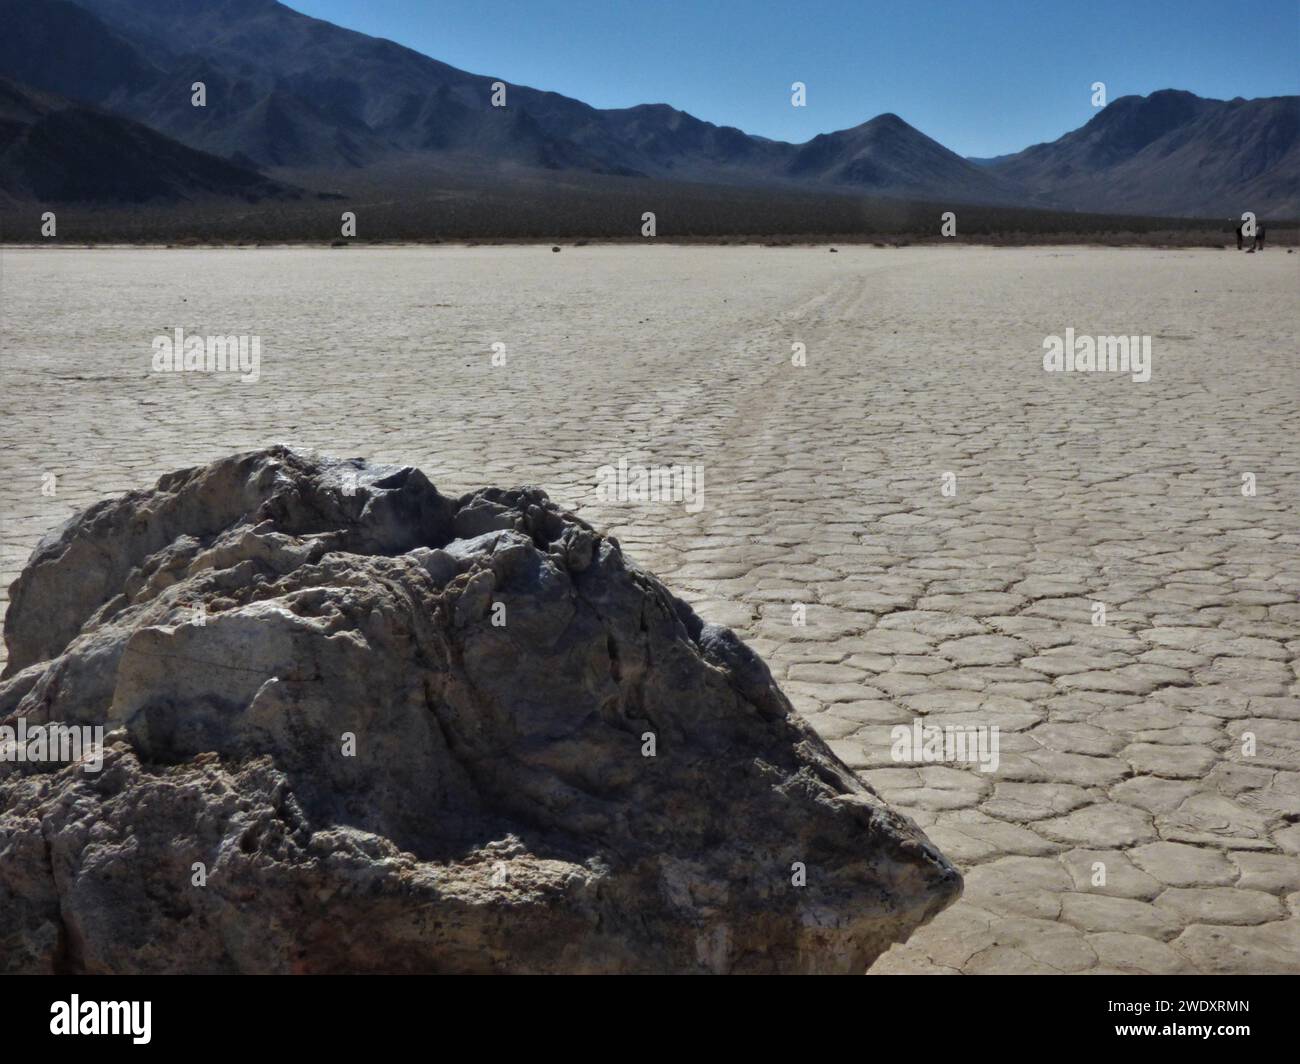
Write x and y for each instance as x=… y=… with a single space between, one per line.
x=1120 y=745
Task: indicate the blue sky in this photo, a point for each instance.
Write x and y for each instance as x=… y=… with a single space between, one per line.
x=983 y=77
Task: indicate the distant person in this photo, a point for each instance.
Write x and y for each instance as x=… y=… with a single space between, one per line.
x=1259 y=237
x=1240 y=227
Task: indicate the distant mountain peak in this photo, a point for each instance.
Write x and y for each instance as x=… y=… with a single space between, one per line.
x=1171 y=152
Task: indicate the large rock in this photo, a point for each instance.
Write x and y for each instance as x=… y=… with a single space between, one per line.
x=238 y=628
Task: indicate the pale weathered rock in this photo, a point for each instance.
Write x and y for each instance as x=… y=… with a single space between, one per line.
x=499 y=667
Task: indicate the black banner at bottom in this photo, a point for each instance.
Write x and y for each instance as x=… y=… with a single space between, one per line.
x=342 y=1013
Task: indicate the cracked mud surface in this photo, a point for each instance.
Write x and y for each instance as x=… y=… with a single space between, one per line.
x=1121 y=745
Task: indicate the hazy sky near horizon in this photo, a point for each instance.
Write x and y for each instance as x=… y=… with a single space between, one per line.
x=983 y=77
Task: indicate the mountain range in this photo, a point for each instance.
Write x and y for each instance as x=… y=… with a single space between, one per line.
x=288 y=95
